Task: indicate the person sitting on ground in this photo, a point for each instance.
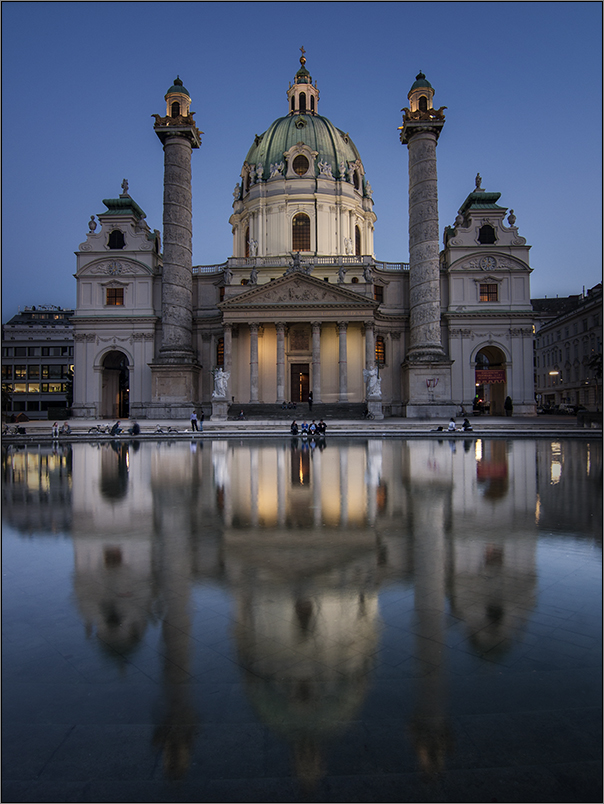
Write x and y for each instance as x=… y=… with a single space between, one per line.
x=116 y=429
x=135 y=429
x=284 y=405
x=466 y=426
x=312 y=429
x=55 y=430
x=294 y=428
x=66 y=429
x=305 y=427
x=451 y=427
x=321 y=427
x=241 y=415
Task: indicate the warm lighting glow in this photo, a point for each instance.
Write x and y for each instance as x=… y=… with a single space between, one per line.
x=556 y=472
x=478 y=449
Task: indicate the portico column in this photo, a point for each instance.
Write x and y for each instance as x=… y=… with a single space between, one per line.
x=253 y=362
x=316 y=361
x=369 y=345
x=342 y=362
x=228 y=355
x=280 y=361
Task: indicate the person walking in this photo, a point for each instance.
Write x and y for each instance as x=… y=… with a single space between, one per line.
x=194 y=427
x=310 y=400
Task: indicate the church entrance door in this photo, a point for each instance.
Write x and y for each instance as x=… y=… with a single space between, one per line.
x=299 y=382
x=115 y=386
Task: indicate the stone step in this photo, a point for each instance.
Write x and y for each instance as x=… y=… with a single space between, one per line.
x=336 y=410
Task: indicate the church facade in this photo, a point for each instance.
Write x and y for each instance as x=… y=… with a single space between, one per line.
x=303 y=306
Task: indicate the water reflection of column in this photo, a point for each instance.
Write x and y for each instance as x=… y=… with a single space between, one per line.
x=176 y=732
x=254 y=460
x=316 y=488
x=280 y=361
x=343 y=485
x=372 y=478
x=429 y=725
x=222 y=479
x=281 y=486
x=228 y=354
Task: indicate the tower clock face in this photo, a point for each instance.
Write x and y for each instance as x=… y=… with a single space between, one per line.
x=115 y=268
x=488 y=263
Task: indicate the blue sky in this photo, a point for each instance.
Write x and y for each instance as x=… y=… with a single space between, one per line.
x=80 y=81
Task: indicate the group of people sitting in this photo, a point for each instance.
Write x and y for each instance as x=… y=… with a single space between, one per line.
x=56 y=431
x=288 y=405
x=466 y=427
x=313 y=428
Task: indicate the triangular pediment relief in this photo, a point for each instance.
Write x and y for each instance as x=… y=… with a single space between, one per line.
x=298 y=290
x=114 y=267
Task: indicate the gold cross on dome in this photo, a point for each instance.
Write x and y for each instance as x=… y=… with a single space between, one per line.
x=302 y=51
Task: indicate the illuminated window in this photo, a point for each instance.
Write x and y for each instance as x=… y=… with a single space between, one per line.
x=301 y=231
x=488 y=293
x=33 y=387
x=380 y=351
x=301 y=165
x=378 y=293
x=20 y=372
x=220 y=352
x=115 y=296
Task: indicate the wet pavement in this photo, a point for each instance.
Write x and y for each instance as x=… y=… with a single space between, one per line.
x=348 y=619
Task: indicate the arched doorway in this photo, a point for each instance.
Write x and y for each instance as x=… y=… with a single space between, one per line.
x=115 y=386
x=490 y=381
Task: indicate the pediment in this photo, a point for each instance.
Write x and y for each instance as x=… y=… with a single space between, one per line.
x=298 y=290
x=114 y=267
x=491 y=261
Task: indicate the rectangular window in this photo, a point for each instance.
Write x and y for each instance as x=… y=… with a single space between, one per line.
x=115 y=296
x=20 y=351
x=20 y=388
x=33 y=372
x=52 y=372
x=33 y=351
x=20 y=372
x=7 y=372
x=488 y=293
x=378 y=293
x=33 y=387
x=7 y=351
x=56 y=388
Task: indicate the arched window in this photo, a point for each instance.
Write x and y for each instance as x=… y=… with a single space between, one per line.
x=303 y=101
x=293 y=104
x=301 y=165
x=220 y=353
x=423 y=103
x=247 y=242
x=301 y=232
x=312 y=103
x=116 y=239
x=175 y=111
x=355 y=180
x=380 y=351
x=357 y=241
x=486 y=234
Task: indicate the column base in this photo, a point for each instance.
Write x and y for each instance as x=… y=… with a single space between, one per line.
x=174 y=390
x=427 y=390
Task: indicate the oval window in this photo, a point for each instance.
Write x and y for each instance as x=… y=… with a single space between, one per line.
x=301 y=165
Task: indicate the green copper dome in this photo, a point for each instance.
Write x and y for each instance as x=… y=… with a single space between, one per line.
x=420 y=81
x=177 y=87
x=318 y=133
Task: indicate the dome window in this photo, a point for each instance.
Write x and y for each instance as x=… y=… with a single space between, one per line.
x=355 y=180
x=486 y=235
x=175 y=109
x=293 y=104
x=357 y=240
x=312 y=104
x=116 y=239
x=303 y=102
x=301 y=232
x=423 y=103
x=301 y=165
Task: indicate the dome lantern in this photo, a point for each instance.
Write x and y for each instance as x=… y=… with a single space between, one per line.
x=421 y=94
x=178 y=100
x=302 y=96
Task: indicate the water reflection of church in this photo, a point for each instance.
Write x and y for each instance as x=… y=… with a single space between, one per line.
x=304 y=539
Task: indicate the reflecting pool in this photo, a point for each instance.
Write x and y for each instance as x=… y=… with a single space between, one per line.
x=277 y=620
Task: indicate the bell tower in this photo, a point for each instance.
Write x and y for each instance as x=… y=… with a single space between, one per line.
x=176 y=371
